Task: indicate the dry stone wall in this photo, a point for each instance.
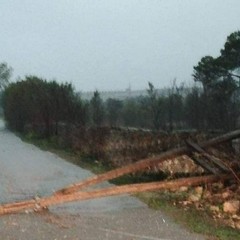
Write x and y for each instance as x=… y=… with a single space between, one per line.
x=118 y=147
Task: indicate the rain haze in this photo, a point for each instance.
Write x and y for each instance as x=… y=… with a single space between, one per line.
x=113 y=44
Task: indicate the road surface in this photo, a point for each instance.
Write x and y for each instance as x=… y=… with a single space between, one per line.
x=26 y=172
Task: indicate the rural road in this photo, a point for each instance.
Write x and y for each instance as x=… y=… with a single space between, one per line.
x=26 y=172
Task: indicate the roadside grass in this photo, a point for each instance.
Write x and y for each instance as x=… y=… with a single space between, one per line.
x=198 y=221
x=195 y=220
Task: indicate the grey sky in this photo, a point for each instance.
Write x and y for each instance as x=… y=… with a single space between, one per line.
x=109 y=44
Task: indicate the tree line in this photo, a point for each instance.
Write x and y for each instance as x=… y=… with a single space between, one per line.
x=212 y=103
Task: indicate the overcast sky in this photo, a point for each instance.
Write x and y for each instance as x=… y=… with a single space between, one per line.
x=111 y=44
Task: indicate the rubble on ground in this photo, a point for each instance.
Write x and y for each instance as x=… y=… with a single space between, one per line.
x=221 y=202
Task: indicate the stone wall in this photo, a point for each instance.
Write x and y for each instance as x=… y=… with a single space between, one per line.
x=118 y=147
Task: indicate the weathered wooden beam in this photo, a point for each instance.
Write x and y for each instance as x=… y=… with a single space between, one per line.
x=203 y=164
x=41 y=203
x=145 y=163
x=212 y=159
x=16 y=207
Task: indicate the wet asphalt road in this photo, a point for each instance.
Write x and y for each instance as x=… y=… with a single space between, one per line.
x=26 y=172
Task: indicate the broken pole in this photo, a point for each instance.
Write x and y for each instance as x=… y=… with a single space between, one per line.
x=41 y=203
x=217 y=162
x=143 y=164
x=203 y=164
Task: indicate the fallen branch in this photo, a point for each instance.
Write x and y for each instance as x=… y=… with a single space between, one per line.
x=41 y=203
x=143 y=164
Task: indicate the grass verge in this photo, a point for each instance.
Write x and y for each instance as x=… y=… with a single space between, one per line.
x=197 y=221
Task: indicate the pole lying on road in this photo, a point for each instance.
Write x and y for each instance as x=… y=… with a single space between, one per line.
x=41 y=203
x=71 y=193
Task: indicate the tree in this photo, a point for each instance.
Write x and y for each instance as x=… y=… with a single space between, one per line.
x=174 y=106
x=130 y=112
x=156 y=107
x=97 y=109
x=220 y=82
x=194 y=110
x=17 y=108
x=208 y=71
x=218 y=87
x=5 y=74
x=78 y=111
x=230 y=54
x=114 y=108
x=40 y=105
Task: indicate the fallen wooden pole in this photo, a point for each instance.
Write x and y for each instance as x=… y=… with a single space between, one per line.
x=217 y=162
x=10 y=208
x=110 y=191
x=202 y=163
x=145 y=163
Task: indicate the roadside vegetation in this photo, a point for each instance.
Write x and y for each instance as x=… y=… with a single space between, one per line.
x=199 y=222
x=41 y=106
x=46 y=112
